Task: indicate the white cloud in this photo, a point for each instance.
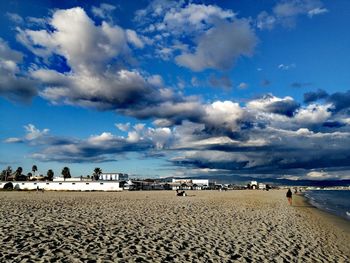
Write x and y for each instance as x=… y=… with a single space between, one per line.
x=16 y=18
x=102 y=138
x=286 y=66
x=156 y=80
x=104 y=11
x=313 y=114
x=319 y=175
x=33 y=133
x=232 y=40
x=194 y=18
x=133 y=38
x=285 y=13
x=185 y=32
x=317 y=11
x=265 y=21
x=242 y=85
x=223 y=114
x=123 y=126
x=13 y=140
x=14 y=85
x=85 y=46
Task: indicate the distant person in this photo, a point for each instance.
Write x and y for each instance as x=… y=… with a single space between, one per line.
x=289 y=196
x=180 y=193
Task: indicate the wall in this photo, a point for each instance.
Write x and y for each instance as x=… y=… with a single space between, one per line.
x=67 y=186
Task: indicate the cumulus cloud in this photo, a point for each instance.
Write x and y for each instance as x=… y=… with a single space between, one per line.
x=134 y=39
x=96 y=148
x=104 y=11
x=313 y=96
x=16 y=18
x=269 y=135
x=286 y=12
x=185 y=33
x=14 y=85
x=265 y=21
x=194 y=17
x=96 y=56
x=269 y=103
x=232 y=41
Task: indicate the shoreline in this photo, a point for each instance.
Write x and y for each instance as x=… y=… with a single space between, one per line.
x=337 y=220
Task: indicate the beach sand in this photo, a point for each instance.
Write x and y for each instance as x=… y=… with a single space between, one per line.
x=206 y=226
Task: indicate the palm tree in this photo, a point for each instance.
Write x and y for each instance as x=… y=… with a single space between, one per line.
x=18 y=173
x=29 y=175
x=97 y=173
x=8 y=172
x=50 y=175
x=3 y=175
x=34 y=169
x=66 y=173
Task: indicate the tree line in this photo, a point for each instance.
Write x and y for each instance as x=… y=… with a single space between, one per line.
x=9 y=175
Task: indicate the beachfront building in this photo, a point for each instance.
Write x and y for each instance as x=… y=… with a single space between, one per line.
x=253 y=185
x=114 y=176
x=189 y=184
x=261 y=186
x=59 y=184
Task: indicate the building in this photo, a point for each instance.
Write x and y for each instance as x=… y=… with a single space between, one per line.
x=190 y=184
x=69 y=184
x=253 y=185
x=114 y=176
x=261 y=186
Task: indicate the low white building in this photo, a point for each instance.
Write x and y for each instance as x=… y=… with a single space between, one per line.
x=262 y=186
x=189 y=184
x=254 y=184
x=70 y=184
x=114 y=176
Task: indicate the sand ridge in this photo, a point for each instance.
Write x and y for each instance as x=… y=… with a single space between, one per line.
x=207 y=226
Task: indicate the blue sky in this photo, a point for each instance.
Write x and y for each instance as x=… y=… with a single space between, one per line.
x=176 y=88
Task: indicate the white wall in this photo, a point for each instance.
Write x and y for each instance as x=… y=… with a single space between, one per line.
x=201 y=181
x=67 y=186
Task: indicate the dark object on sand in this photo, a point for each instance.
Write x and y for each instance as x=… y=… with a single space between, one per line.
x=180 y=193
x=8 y=186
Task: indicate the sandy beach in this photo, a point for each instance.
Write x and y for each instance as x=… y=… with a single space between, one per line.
x=206 y=226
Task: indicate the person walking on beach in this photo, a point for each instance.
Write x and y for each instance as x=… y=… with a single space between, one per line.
x=289 y=196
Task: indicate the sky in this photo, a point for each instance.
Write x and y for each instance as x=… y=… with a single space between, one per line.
x=176 y=88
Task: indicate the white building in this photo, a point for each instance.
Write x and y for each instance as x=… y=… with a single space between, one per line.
x=254 y=184
x=70 y=184
x=189 y=184
x=114 y=176
x=262 y=186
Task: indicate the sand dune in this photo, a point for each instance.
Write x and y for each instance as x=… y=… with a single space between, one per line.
x=236 y=226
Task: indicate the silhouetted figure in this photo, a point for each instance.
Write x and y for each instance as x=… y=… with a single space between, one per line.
x=289 y=196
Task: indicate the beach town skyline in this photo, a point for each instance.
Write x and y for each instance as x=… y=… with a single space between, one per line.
x=182 y=89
